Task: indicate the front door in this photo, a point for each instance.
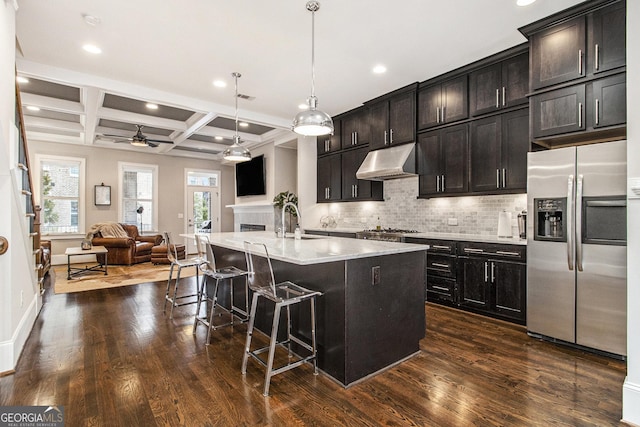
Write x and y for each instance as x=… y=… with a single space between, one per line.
x=203 y=206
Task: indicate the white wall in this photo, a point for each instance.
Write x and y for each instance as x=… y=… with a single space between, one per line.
x=102 y=167
x=631 y=390
x=20 y=301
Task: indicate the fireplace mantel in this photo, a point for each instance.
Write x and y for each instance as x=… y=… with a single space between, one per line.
x=262 y=214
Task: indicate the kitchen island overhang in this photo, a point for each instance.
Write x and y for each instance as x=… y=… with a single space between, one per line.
x=371 y=314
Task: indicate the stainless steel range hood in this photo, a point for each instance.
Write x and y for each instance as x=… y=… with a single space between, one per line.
x=389 y=163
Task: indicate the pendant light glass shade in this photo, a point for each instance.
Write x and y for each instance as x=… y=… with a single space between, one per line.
x=313 y=122
x=236 y=152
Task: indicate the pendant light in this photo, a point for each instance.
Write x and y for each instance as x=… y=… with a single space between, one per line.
x=236 y=152
x=313 y=122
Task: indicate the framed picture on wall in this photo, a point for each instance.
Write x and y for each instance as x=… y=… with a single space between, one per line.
x=102 y=195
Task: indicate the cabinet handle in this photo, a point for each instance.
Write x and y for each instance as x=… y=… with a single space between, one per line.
x=436 y=264
x=390 y=136
x=437 y=114
x=580 y=61
x=579 y=114
x=474 y=250
x=597 y=61
x=508 y=253
x=438 y=184
x=441 y=288
x=441 y=247
x=356 y=137
x=497 y=98
x=504 y=177
x=443 y=187
x=597 y=110
x=493 y=272
x=504 y=96
x=442 y=114
x=497 y=178
x=486 y=272
x=356 y=186
x=385 y=138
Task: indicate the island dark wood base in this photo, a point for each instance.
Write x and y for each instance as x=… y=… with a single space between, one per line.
x=370 y=316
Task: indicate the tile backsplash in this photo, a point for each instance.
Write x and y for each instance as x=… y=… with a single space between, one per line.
x=402 y=209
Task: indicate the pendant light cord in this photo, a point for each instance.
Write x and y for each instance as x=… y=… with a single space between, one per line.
x=313 y=44
x=235 y=75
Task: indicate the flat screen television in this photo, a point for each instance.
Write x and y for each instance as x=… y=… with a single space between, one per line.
x=250 y=177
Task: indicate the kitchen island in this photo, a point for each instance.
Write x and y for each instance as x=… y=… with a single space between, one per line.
x=371 y=312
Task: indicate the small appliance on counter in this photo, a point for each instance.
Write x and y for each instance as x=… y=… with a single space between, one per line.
x=504 y=224
x=522 y=224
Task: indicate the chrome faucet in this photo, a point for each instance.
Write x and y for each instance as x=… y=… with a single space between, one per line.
x=284 y=208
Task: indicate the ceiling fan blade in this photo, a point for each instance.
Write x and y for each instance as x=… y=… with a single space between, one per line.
x=159 y=141
x=151 y=144
x=115 y=136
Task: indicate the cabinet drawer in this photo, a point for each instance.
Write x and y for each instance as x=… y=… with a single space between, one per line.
x=441 y=265
x=435 y=246
x=493 y=251
x=440 y=289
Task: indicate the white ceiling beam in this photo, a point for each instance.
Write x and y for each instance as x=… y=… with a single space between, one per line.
x=92 y=100
x=34 y=135
x=44 y=123
x=194 y=124
x=53 y=104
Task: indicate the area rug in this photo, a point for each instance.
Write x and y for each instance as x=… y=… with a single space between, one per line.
x=118 y=275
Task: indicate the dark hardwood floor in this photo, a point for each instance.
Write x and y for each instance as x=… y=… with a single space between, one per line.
x=111 y=358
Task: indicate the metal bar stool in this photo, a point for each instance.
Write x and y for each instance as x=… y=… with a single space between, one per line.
x=284 y=294
x=172 y=256
x=224 y=275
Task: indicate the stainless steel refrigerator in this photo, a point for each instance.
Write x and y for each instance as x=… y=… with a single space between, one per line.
x=576 y=246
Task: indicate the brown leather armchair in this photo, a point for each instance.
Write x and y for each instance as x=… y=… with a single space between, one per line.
x=129 y=250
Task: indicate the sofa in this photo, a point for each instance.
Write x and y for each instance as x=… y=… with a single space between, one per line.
x=128 y=250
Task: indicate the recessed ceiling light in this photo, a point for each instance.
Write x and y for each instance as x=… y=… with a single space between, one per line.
x=219 y=83
x=524 y=2
x=152 y=106
x=218 y=138
x=243 y=124
x=32 y=108
x=303 y=106
x=91 y=48
x=21 y=79
x=379 y=69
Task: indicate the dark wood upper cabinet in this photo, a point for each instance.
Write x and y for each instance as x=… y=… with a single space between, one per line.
x=608 y=106
x=558 y=53
x=330 y=143
x=585 y=45
x=558 y=111
x=393 y=120
x=607 y=38
x=514 y=149
x=442 y=157
x=355 y=128
x=443 y=103
x=499 y=86
x=329 y=178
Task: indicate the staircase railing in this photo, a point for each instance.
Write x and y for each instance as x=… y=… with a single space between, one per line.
x=32 y=211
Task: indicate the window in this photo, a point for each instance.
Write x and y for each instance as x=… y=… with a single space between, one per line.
x=139 y=195
x=61 y=194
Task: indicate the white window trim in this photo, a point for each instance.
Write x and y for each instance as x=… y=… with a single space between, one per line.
x=82 y=200
x=122 y=166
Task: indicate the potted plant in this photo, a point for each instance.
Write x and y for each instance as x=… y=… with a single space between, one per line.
x=278 y=202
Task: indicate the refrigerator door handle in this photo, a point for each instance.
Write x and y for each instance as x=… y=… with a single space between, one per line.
x=570 y=225
x=579 y=186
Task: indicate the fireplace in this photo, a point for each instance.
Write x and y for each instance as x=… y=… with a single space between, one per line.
x=252 y=227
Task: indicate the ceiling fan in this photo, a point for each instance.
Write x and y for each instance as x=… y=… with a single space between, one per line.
x=139 y=139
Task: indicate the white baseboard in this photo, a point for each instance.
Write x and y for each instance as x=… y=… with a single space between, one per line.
x=10 y=350
x=631 y=402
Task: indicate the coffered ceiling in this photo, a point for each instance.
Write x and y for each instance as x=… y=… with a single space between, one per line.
x=169 y=53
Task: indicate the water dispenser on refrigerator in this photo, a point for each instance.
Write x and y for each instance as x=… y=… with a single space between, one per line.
x=549 y=219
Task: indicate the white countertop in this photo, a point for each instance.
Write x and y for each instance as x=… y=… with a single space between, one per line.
x=311 y=249
x=480 y=238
